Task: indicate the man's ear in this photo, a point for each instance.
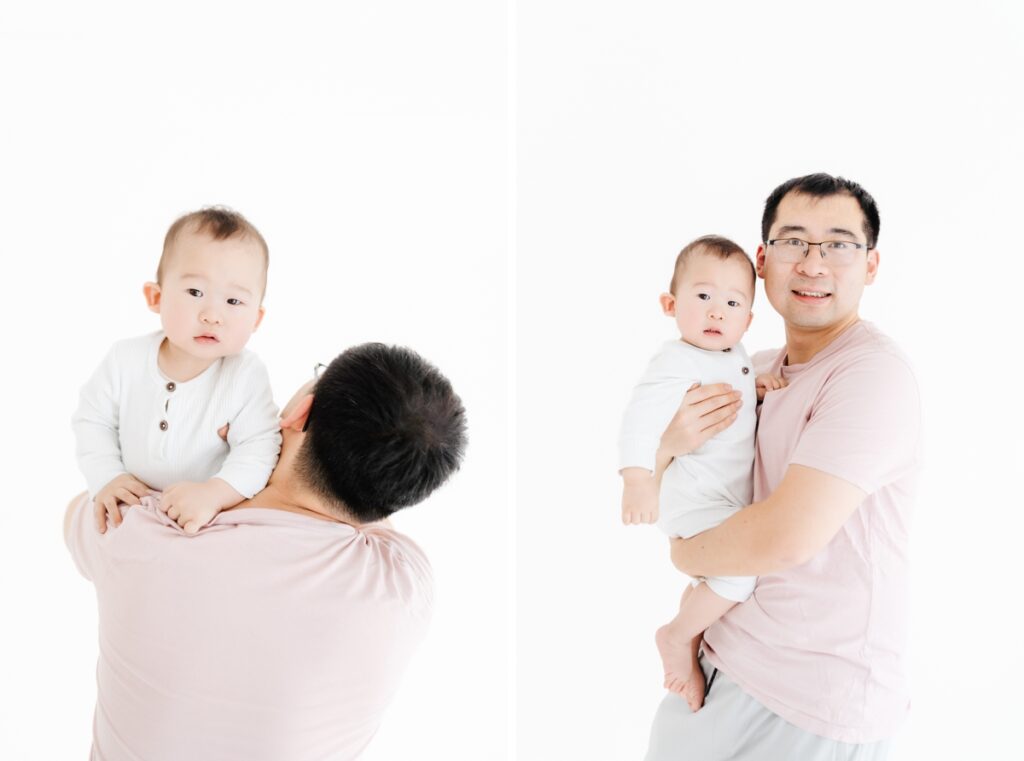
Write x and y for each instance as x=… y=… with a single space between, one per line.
x=872 y=266
x=668 y=304
x=152 y=293
x=259 y=319
x=759 y=261
x=296 y=419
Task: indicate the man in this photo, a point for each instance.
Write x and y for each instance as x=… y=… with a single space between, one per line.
x=811 y=666
x=279 y=631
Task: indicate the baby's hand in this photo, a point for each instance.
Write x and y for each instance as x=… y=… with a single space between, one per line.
x=125 y=488
x=192 y=505
x=766 y=383
x=639 y=496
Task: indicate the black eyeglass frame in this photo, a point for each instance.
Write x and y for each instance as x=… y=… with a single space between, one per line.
x=820 y=245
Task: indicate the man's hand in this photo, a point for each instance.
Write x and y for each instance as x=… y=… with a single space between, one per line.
x=125 y=488
x=765 y=383
x=192 y=505
x=639 y=496
x=705 y=411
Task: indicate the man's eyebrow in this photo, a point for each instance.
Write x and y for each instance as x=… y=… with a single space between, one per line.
x=841 y=231
x=786 y=229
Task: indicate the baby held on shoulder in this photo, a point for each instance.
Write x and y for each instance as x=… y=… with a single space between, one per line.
x=710 y=298
x=187 y=411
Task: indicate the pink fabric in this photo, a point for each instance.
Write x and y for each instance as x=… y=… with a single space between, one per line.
x=268 y=635
x=822 y=644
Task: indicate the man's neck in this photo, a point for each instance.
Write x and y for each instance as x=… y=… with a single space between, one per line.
x=802 y=344
x=276 y=496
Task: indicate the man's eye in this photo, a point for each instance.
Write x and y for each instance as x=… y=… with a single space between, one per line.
x=195 y=292
x=794 y=242
x=234 y=302
x=703 y=296
x=838 y=245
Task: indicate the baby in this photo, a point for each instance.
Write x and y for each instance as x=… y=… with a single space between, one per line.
x=710 y=297
x=186 y=410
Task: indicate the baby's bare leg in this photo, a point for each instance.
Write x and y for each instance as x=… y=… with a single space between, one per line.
x=679 y=641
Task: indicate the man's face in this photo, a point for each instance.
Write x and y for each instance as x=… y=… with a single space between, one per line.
x=712 y=301
x=209 y=300
x=814 y=293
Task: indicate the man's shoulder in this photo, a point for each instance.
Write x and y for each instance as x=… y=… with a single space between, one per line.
x=407 y=557
x=870 y=349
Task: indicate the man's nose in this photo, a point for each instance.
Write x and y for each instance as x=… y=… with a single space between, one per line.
x=812 y=264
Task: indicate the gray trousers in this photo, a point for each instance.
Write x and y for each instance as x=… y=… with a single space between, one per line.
x=734 y=726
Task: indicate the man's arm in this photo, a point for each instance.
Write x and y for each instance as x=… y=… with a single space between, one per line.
x=787 y=529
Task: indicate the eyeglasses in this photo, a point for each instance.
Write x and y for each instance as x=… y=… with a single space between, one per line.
x=318 y=370
x=839 y=253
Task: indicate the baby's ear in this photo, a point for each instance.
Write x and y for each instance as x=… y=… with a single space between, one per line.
x=668 y=304
x=152 y=293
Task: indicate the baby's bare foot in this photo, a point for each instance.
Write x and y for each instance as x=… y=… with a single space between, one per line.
x=683 y=674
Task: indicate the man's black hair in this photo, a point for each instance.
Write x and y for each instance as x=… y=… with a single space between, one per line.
x=821 y=185
x=385 y=430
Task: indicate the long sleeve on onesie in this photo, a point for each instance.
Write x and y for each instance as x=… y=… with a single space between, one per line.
x=703 y=488
x=132 y=419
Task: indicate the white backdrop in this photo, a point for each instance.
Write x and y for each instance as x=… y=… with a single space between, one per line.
x=369 y=145
x=644 y=125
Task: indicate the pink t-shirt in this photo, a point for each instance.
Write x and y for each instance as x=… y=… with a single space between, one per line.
x=822 y=644
x=267 y=635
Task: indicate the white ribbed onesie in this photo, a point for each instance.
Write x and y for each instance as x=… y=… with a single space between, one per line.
x=132 y=419
x=703 y=488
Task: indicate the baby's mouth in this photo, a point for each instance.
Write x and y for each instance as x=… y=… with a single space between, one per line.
x=712 y=332
x=207 y=338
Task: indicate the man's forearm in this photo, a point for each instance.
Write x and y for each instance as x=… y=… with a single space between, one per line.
x=743 y=545
x=788 y=528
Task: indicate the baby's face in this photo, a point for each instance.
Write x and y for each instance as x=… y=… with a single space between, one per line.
x=712 y=301
x=209 y=300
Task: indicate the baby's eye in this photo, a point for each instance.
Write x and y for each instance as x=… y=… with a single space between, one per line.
x=234 y=302
x=195 y=292
x=734 y=303
x=703 y=296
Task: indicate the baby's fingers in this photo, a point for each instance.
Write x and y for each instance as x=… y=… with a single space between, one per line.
x=113 y=514
x=127 y=496
x=100 y=512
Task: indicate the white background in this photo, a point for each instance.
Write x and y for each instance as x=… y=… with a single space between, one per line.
x=369 y=145
x=644 y=125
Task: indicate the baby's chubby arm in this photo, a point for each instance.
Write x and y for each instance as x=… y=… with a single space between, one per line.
x=192 y=505
x=97 y=444
x=639 y=496
x=95 y=425
x=653 y=403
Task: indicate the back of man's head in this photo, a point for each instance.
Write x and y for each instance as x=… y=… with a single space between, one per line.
x=385 y=430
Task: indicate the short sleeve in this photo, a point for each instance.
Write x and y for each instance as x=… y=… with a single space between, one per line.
x=865 y=426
